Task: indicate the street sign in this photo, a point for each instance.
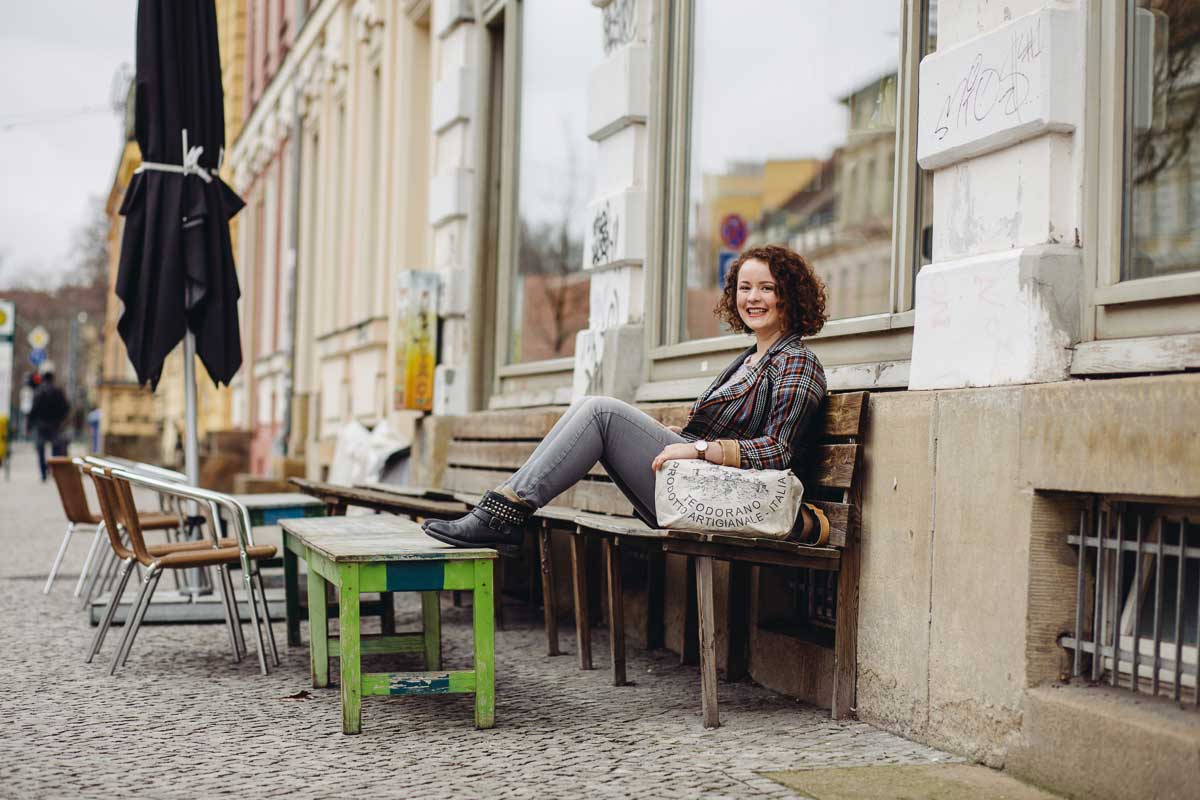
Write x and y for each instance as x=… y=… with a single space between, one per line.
x=733 y=231
x=724 y=259
x=8 y=318
x=38 y=338
x=37 y=356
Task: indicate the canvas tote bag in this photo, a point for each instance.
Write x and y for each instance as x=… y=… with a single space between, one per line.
x=694 y=495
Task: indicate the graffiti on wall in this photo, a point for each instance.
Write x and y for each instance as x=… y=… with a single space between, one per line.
x=620 y=23
x=605 y=226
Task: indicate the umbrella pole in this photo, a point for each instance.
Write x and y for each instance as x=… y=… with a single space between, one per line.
x=196 y=582
x=191 y=439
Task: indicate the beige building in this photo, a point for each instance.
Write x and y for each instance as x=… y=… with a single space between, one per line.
x=334 y=165
x=1012 y=276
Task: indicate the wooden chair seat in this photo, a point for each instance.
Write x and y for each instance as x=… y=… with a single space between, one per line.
x=209 y=556
x=182 y=547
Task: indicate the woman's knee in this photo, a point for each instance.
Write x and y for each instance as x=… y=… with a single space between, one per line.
x=601 y=403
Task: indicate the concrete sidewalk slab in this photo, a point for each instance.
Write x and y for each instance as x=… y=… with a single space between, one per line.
x=913 y=782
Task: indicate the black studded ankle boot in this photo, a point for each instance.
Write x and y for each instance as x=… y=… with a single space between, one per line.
x=497 y=522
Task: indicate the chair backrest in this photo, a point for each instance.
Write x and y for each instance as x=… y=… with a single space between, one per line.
x=123 y=492
x=109 y=509
x=70 y=489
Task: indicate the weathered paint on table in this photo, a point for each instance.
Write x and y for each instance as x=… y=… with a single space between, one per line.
x=384 y=553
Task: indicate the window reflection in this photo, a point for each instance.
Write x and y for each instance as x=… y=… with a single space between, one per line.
x=1162 y=129
x=792 y=140
x=561 y=44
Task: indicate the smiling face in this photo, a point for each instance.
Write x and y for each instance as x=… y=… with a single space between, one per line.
x=758 y=298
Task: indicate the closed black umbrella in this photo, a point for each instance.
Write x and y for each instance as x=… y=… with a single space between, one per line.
x=176 y=269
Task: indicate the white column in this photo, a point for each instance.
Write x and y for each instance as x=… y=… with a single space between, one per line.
x=1001 y=102
x=608 y=355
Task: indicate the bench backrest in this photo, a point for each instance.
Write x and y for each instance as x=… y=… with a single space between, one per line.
x=486 y=447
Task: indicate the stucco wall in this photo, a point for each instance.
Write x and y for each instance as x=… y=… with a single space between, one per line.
x=958 y=545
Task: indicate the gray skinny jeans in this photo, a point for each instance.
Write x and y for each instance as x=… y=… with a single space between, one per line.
x=622 y=438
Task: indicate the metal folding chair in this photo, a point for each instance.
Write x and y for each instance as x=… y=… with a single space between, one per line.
x=246 y=554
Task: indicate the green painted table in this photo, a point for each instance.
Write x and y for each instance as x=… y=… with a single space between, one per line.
x=271 y=509
x=383 y=553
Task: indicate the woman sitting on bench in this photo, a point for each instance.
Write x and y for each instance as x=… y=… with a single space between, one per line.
x=752 y=416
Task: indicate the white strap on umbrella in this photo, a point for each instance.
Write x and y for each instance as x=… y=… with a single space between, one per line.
x=190 y=165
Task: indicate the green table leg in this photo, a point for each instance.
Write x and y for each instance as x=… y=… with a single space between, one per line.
x=348 y=636
x=431 y=619
x=485 y=663
x=318 y=628
x=291 y=593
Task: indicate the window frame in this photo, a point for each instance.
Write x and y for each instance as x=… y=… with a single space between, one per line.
x=870 y=351
x=1116 y=309
x=549 y=381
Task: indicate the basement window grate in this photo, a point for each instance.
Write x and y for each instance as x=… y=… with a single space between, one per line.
x=1137 y=598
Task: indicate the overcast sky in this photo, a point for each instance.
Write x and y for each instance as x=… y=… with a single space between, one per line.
x=57 y=58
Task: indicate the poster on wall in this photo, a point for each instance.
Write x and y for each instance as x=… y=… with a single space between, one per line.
x=416 y=339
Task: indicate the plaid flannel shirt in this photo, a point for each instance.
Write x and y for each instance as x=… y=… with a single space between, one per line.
x=766 y=412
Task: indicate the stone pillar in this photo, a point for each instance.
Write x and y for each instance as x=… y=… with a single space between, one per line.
x=1001 y=102
x=608 y=355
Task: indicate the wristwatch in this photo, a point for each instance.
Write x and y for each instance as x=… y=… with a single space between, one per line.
x=701 y=447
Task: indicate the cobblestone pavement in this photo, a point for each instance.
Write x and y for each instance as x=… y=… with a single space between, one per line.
x=181 y=720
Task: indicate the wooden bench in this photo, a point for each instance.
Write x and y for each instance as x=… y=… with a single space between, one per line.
x=485 y=448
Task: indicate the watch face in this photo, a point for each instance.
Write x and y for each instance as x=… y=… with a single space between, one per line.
x=701 y=446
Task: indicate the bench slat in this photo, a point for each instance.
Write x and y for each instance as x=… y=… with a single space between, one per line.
x=825 y=559
x=843 y=413
x=532 y=423
x=604 y=497
x=496 y=455
x=833 y=464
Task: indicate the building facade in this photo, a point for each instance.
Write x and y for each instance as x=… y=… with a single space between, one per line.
x=1001 y=199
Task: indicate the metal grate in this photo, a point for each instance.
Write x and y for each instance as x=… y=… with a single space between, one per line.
x=1137 y=598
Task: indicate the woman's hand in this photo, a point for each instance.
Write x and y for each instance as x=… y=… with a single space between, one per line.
x=674 y=452
x=674 y=429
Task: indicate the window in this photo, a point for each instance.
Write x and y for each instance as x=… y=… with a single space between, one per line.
x=923 y=241
x=560 y=45
x=784 y=123
x=1162 y=139
x=776 y=157
x=1137 y=598
x=1145 y=240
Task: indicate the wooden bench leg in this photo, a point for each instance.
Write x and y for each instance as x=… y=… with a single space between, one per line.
x=485 y=637
x=656 y=583
x=350 y=642
x=689 y=651
x=845 y=644
x=708 y=650
x=616 y=611
x=318 y=629
x=291 y=593
x=549 y=600
x=583 y=625
x=738 y=657
x=387 y=620
x=431 y=623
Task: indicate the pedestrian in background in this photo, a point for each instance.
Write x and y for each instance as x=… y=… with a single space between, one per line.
x=50 y=409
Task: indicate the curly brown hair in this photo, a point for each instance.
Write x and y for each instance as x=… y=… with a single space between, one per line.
x=801 y=292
